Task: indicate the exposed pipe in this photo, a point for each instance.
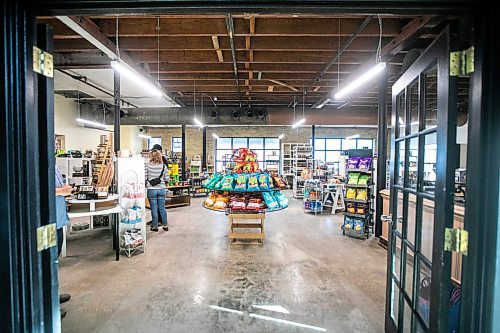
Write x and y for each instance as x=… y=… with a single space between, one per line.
x=230 y=31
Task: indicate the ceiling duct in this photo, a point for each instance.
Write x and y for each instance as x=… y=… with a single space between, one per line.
x=409 y=59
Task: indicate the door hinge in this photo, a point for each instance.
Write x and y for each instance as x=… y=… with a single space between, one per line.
x=462 y=62
x=46 y=237
x=43 y=62
x=456 y=240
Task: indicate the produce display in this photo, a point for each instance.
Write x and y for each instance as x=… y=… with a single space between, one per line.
x=246 y=188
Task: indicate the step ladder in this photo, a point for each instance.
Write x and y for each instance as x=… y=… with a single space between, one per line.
x=335 y=194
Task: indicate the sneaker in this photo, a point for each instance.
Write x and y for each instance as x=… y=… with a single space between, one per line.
x=63 y=298
x=63 y=313
x=154 y=229
x=165 y=228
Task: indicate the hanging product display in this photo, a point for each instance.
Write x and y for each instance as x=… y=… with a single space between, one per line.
x=246 y=188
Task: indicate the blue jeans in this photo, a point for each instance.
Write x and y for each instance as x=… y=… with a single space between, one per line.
x=156 y=199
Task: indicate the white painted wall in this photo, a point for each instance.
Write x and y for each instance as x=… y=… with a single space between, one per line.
x=81 y=138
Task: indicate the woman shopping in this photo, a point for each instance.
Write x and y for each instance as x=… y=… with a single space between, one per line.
x=156 y=174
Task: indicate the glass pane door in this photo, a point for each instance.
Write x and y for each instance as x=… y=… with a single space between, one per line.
x=417 y=280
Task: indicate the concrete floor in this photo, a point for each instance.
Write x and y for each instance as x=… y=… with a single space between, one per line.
x=189 y=277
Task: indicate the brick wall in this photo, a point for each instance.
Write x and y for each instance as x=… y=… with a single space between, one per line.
x=300 y=135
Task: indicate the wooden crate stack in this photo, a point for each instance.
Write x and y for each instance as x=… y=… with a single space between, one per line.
x=103 y=168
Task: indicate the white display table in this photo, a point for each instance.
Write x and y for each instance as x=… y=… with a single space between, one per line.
x=90 y=208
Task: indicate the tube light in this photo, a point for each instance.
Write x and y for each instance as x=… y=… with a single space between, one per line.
x=413 y=123
x=91 y=123
x=132 y=75
x=355 y=136
x=198 y=122
x=319 y=106
x=215 y=136
x=298 y=123
x=281 y=136
x=144 y=136
x=360 y=80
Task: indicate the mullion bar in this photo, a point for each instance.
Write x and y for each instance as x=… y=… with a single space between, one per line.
x=414 y=135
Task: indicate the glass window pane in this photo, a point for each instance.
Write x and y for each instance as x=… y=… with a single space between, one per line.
x=430 y=156
x=399 y=210
x=319 y=144
x=272 y=154
x=414 y=102
x=256 y=143
x=272 y=143
x=413 y=163
x=410 y=256
x=400 y=162
x=394 y=303
x=218 y=166
x=424 y=291
x=221 y=153
x=332 y=156
x=240 y=143
x=177 y=145
x=396 y=257
x=365 y=144
x=430 y=92
x=407 y=317
x=418 y=327
x=401 y=120
x=348 y=144
x=319 y=155
x=153 y=141
x=411 y=218
x=224 y=143
x=333 y=144
x=260 y=157
x=427 y=229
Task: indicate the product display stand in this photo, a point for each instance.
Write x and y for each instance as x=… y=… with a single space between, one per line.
x=334 y=193
x=359 y=204
x=132 y=224
x=313 y=196
x=197 y=188
x=180 y=196
x=300 y=156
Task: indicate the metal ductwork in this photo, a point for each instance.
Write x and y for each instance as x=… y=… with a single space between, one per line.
x=269 y=116
x=249 y=113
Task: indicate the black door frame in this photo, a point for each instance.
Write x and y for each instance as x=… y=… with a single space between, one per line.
x=22 y=171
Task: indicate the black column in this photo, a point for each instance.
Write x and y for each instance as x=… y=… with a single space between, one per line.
x=313 y=137
x=204 y=150
x=116 y=121
x=183 y=153
x=381 y=149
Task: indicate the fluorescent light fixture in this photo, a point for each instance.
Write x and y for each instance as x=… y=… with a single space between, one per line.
x=91 y=123
x=281 y=136
x=144 y=136
x=274 y=308
x=366 y=76
x=215 y=136
x=355 y=136
x=288 y=322
x=198 y=122
x=133 y=76
x=220 y=308
x=414 y=123
x=319 y=106
x=401 y=122
x=298 y=123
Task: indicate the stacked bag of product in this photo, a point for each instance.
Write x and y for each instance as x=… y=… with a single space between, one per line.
x=132 y=215
x=361 y=163
x=243 y=182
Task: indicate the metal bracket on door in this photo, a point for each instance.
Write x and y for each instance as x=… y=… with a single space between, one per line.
x=462 y=62
x=43 y=62
x=456 y=240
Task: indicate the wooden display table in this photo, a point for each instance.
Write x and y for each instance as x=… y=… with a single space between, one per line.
x=254 y=237
x=176 y=200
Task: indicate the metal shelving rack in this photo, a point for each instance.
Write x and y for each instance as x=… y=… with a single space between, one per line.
x=313 y=196
x=368 y=216
x=300 y=156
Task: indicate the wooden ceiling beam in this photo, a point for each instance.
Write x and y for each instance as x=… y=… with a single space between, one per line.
x=215 y=42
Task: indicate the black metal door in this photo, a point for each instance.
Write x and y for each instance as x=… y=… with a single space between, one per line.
x=423 y=156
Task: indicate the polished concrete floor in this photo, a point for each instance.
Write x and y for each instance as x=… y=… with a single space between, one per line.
x=190 y=279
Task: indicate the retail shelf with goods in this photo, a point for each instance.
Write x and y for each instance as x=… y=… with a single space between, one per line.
x=358 y=214
x=245 y=187
x=300 y=154
x=75 y=170
x=313 y=196
x=132 y=192
x=197 y=188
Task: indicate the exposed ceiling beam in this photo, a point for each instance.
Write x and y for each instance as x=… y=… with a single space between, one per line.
x=410 y=33
x=270 y=88
x=284 y=85
x=230 y=32
x=91 y=32
x=215 y=41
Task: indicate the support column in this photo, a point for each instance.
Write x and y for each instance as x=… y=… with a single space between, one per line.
x=381 y=149
x=183 y=153
x=204 y=150
x=313 y=137
x=116 y=122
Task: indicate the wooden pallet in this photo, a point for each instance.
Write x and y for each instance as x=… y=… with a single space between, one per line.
x=246 y=238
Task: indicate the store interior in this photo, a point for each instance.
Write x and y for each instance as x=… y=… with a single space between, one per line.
x=250 y=128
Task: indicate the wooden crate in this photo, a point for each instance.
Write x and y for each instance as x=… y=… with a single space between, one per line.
x=246 y=220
